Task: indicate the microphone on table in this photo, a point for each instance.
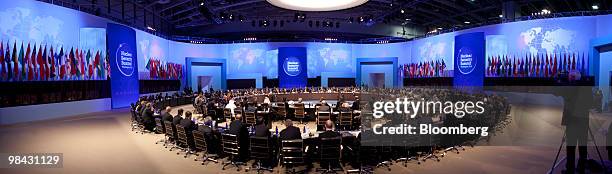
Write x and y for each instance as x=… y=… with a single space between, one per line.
x=305 y=129
x=276 y=130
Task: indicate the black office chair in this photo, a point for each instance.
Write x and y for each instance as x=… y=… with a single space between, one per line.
x=330 y=154
x=345 y=120
x=160 y=129
x=141 y=125
x=202 y=146
x=261 y=152
x=281 y=110
x=322 y=117
x=292 y=154
x=410 y=143
x=432 y=141
x=231 y=146
x=183 y=142
x=170 y=134
x=385 y=153
x=249 y=118
x=299 y=112
x=227 y=114
x=133 y=120
x=366 y=156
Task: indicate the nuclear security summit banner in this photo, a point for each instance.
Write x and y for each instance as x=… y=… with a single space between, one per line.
x=121 y=43
x=292 y=72
x=469 y=60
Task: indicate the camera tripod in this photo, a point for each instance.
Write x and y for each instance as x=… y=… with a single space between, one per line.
x=555 y=164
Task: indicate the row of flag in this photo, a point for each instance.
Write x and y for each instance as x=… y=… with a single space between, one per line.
x=164 y=70
x=539 y=65
x=422 y=69
x=33 y=62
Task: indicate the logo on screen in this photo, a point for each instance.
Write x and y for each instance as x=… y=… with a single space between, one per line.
x=466 y=61
x=292 y=66
x=125 y=59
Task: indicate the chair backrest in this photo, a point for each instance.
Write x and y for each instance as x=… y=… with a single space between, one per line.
x=200 y=141
x=346 y=118
x=329 y=149
x=281 y=109
x=133 y=112
x=238 y=111
x=249 y=118
x=260 y=148
x=227 y=113
x=159 y=127
x=230 y=144
x=182 y=135
x=292 y=151
x=299 y=110
x=323 y=117
x=169 y=131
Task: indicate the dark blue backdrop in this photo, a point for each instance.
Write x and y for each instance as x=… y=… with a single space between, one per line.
x=124 y=73
x=469 y=59
x=292 y=71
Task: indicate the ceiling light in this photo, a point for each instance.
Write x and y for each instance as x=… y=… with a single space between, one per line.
x=407 y=19
x=501 y=16
x=439 y=28
x=316 y=5
x=402 y=11
x=595 y=7
x=466 y=22
x=202 y=4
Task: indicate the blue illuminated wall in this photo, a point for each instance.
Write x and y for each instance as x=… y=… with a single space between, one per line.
x=213 y=69
x=385 y=65
x=38 y=22
x=152 y=47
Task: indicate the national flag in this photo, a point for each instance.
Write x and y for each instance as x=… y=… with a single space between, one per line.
x=23 y=59
x=52 y=61
x=44 y=68
x=107 y=70
x=583 y=66
x=81 y=64
x=554 y=65
x=73 y=62
x=15 y=62
x=62 y=64
x=98 y=65
x=90 y=70
x=8 y=60
x=573 y=61
x=30 y=58
x=3 y=66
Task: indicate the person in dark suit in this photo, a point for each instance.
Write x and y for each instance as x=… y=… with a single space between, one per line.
x=177 y=119
x=291 y=132
x=209 y=136
x=324 y=107
x=189 y=127
x=251 y=108
x=261 y=130
x=147 y=116
x=236 y=126
x=344 y=107
x=355 y=106
x=166 y=115
x=577 y=102
x=187 y=123
x=329 y=130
